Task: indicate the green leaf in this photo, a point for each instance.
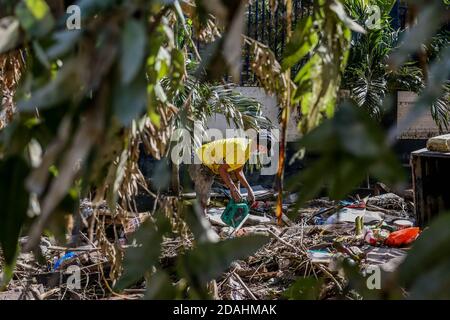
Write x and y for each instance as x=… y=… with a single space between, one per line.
x=420 y=34
x=141 y=258
x=349 y=146
x=41 y=55
x=116 y=181
x=35 y=17
x=198 y=224
x=92 y=7
x=177 y=69
x=304 y=39
x=63 y=86
x=429 y=251
x=433 y=284
x=64 y=41
x=129 y=100
x=133 y=43
x=9 y=33
x=304 y=289
x=159 y=286
x=14 y=205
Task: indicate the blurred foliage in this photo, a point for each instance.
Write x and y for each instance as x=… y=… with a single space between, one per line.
x=347 y=147
x=200 y=101
x=208 y=260
x=88 y=97
x=304 y=289
x=323 y=39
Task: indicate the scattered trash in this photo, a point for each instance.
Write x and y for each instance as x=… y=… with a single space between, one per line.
x=235 y=214
x=318 y=220
x=348 y=215
x=403 y=237
x=320 y=256
x=403 y=224
x=322 y=235
x=395 y=204
x=439 y=143
x=250 y=230
x=260 y=192
x=359 y=226
x=375 y=236
x=64 y=259
x=260 y=205
x=353 y=205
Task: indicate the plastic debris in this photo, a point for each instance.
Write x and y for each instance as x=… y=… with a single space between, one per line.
x=375 y=236
x=402 y=237
x=320 y=256
x=65 y=258
x=350 y=215
x=353 y=205
x=402 y=224
x=235 y=214
x=317 y=220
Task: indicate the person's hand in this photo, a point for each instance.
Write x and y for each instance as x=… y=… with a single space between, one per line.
x=236 y=195
x=251 y=197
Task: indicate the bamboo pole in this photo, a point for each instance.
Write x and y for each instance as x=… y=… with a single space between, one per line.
x=284 y=122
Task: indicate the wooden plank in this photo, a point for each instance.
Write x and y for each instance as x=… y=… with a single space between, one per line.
x=426 y=153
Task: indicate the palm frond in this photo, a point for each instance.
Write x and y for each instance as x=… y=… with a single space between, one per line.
x=440 y=110
x=199 y=101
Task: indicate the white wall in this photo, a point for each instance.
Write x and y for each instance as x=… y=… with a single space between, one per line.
x=269 y=110
x=424 y=127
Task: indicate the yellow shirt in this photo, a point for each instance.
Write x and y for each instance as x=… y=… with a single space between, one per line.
x=234 y=152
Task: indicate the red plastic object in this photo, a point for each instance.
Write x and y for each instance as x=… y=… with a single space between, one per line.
x=259 y=205
x=357 y=205
x=402 y=237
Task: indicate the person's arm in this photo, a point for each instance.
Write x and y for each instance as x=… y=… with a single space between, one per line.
x=241 y=176
x=223 y=172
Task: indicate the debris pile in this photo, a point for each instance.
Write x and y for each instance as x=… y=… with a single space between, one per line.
x=372 y=231
x=51 y=278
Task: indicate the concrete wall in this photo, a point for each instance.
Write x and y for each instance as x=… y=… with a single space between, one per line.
x=269 y=109
x=424 y=127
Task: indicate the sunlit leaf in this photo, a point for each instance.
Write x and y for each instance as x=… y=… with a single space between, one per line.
x=35 y=17
x=14 y=205
x=9 y=33
x=304 y=39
